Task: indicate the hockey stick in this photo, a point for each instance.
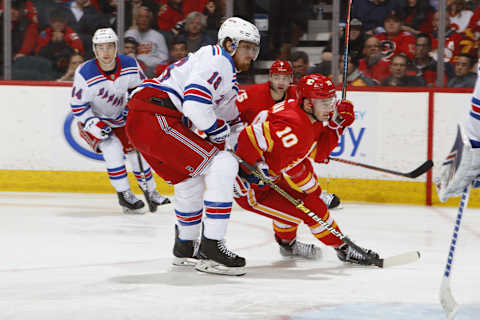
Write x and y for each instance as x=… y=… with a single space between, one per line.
x=427 y=165
x=449 y=305
x=345 y=52
x=152 y=206
x=382 y=263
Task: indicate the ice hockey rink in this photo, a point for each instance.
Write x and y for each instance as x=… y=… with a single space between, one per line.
x=75 y=256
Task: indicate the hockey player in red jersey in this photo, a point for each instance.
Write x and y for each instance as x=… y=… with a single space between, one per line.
x=280 y=144
x=259 y=97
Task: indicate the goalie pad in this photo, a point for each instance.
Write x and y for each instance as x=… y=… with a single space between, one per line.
x=459 y=169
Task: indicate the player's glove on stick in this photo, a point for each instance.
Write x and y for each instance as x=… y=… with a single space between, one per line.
x=343 y=116
x=218 y=132
x=253 y=179
x=97 y=128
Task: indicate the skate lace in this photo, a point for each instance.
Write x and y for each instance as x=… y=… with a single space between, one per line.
x=224 y=249
x=352 y=253
x=304 y=249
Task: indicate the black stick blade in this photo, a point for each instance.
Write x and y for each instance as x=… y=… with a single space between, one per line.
x=421 y=170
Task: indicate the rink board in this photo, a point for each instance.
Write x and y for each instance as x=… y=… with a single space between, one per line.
x=41 y=149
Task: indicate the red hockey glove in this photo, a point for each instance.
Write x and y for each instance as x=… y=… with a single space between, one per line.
x=343 y=116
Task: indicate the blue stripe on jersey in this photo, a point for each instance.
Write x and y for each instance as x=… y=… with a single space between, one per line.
x=166 y=89
x=197 y=99
x=474 y=143
x=474 y=115
x=229 y=58
x=96 y=82
x=199 y=87
x=124 y=74
x=127 y=61
x=476 y=101
x=89 y=70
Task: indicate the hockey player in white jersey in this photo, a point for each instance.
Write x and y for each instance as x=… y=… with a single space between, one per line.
x=462 y=165
x=197 y=93
x=98 y=102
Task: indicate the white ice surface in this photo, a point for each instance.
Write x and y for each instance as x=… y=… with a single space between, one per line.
x=75 y=256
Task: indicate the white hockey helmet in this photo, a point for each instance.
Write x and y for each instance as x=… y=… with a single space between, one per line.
x=104 y=35
x=238 y=30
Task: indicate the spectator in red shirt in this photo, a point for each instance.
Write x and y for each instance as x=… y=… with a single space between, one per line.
x=373 y=65
x=169 y=15
x=455 y=43
x=418 y=17
x=394 y=40
x=58 y=42
x=24 y=28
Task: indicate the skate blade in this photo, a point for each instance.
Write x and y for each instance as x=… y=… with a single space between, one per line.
x=210 y=266
x=184 y=262
x=133 y=211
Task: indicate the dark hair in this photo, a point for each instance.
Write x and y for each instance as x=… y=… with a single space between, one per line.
x=420 y=13
x=300 y=55
x=426 y=36
x=130 y=40
x=58 y=14
x=178 y=41
x=470 y=58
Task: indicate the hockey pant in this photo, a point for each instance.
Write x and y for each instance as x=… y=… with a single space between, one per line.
x=202 y=175
x=114 y=149
x=286 y=217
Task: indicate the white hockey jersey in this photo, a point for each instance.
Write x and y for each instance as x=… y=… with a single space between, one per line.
x=95 y=94
x=203 y=86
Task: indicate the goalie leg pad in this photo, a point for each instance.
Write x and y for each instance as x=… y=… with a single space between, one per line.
x=460 y=168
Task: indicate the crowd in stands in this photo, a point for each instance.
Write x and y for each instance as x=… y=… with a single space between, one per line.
x=392 y=42
x=51 y=37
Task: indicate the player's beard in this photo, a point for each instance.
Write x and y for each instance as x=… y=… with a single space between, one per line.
x=242 y=66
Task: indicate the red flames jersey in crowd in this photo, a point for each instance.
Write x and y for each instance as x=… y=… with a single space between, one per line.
x=257 y=98
x=455 y=43
x=285 y=139
x=404 y=42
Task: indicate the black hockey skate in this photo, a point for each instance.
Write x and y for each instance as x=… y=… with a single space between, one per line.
x=129 y=203
x=347 y=253
x=185 y=251
x=331 y=200
x=299 y=249
x=218 y=259
x=156 y=199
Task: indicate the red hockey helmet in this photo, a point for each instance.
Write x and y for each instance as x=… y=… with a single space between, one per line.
x=315 y=86
x=281 y=67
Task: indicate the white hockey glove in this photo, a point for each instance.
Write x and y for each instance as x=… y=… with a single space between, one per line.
x=97 y=128
x=459 y=169
x=219 y=132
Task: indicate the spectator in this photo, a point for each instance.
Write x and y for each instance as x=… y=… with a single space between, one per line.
x=399 y=78
x=459 y=15
x=455 y=43
x=109 y=10
x=355 y=77
x=464 y=77
x=195 y=35
x=300 y=65
x=214 y=10
x=422 y=65
x=395 y=41
x=373 y=65
x=178 y=50
x=372 y=13
x=24 y=30
x=84 y=19
x=58 y=42
x=356 y=42
x=418 y=17
x=169 y=15
x=76 y=59
x=130 y=48
x=152 y=49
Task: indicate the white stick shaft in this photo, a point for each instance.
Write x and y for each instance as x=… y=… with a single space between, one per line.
x=447 y=301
